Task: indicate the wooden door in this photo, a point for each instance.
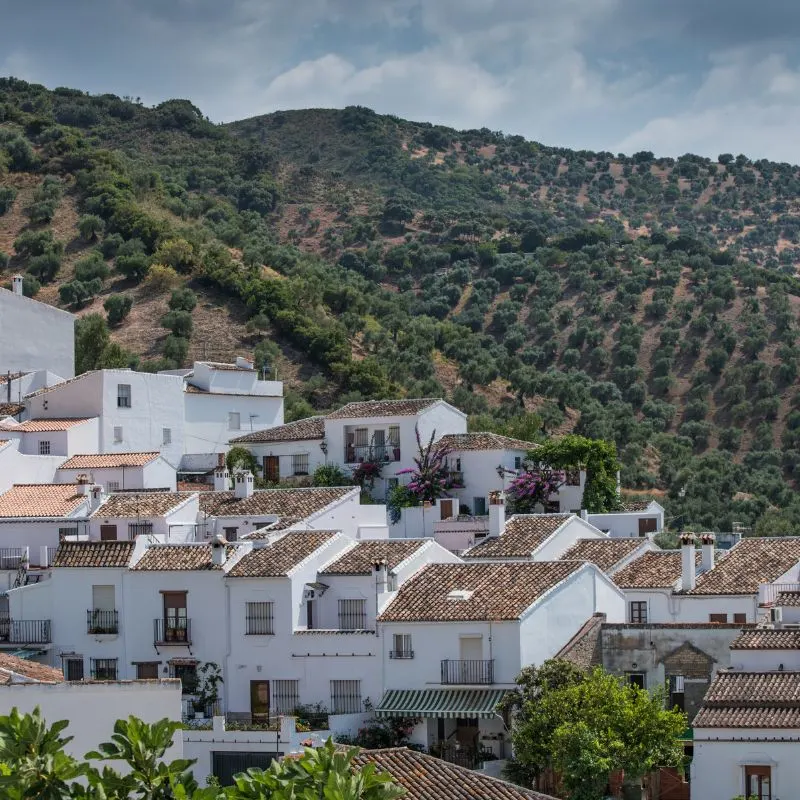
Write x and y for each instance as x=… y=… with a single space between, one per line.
x=108 y=533
x=446 y=507
x=758 y=782
x=272 y=470
x=259 y=699
x=647 y=526
x=672 y=785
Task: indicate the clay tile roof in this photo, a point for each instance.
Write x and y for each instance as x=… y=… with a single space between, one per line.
x=40 y=500
x=752 y=561
x=360 y=559
x=299 y=503
x=584 y=649
x=226 y=367
x=11 y=409
x=109 y=460
x=485 y=441
x=606 y=553
x=140 y=504
x=493 y=590
x=383 y=408
x=658 y=569
x=12 y=377
x=298 y=431
x=25 y=671
x=523 y=534
x=751 y=700
x=788 y=599
x=767 y=639
x=636 y=505
x=281 y=557
x=45 y=425
x=46 y=389
x=179 y=557
x=93 y=554
x=425 y=777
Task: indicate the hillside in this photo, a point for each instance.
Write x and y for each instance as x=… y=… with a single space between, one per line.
x=647 y=300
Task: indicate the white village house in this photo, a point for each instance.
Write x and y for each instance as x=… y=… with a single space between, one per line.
x=119 y=471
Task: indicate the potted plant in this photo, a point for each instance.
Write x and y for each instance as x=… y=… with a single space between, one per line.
x=209 y=679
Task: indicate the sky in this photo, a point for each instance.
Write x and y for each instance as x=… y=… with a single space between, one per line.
x=671 y=76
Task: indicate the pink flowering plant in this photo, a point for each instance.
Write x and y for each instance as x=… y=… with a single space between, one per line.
x=533 y=487
x=366 y=473
x=431 y=477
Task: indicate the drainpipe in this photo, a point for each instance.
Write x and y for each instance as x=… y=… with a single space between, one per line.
x=227 y=660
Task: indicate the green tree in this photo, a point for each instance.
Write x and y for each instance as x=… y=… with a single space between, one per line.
x=90 y=227
x=7 y=196
x=183 y=300
x=91 y=340
x=330 y=475
x=179 y=322
x=240 y=458
x=117 y=307
x=176 y=253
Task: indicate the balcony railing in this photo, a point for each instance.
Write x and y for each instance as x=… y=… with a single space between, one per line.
x=100 y=621
x=12 y=557
x=29 y=631
x=382 y=453
x=401 y=654
x=463 y=756
x=768 y=592
x=470 y=672
x=172 y=631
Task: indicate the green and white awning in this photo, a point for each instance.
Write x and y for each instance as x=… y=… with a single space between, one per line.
x=447 y=703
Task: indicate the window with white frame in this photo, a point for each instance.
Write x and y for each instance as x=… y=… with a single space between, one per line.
x=234 y=421
x=117 y=433
x=258 y=619
x=401 y=646
x=352 y=615
x=300 y=464
x=112 y=486
x=346 y=697
x=166 y=436
x=44 y=448
x=285 y=696
x=123 y=395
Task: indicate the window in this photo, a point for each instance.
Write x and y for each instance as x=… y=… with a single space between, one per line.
x=391 y=582
x=186 y=672
x=112 y=486
x=479 y=506
x=402 y=646
x=139 y=529
x=352 y=615
x=147 y=670
x=517 y=462
x=740 y=619
x=234 y=421
x=552 y=507
x=176 y=623
x=166 y=436
x=64 y=533
x=392 y=483
x=346 y=697
x=300 y=464
x=676 y=696
x=394 y=442
x=758 y=782
x=573 y=477
x=108 y=533
x=717 y=617
x=123 y=395
x=458 y=465
x=285 y=696
x=636 y=679
x=259 y=619
x=104 y=669
x=231 y=534
x=73 y=668
x=117 y=433
x=44 y=448
x=638 y=611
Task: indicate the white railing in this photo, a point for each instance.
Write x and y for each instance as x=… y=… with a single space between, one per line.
x=768 y=592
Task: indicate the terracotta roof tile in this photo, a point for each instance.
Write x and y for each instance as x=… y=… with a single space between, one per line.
x=299 y=431
x=523 y=534
x=383 y=408
x=299 y=503
x=41 y=500
x=179 y=557
x=788 y=599
x=45 y=425
x=360 y=559
x=32 y=670
x=658 y=569
x=193 y=486
x=220 y=365
x=109 y=460
x=636 y=505
x=10 y=378
x=11 y=409
x=140 y=504
x=493 y=590
x=752 y=561
x=93 y=554
x=485 y=441
x=280 y=557
x=425 y=777
x=584 y=649
x=767 y=639
x=606 y=553
x=268 y=531
x=751 y=700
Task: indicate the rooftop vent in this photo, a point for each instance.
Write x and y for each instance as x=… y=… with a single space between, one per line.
x=460 y=594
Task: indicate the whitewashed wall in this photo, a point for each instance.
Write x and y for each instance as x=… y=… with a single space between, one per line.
x=184 y=515
x=285 y=450
x=626 y=524
x=18 y=468
x=157 y=474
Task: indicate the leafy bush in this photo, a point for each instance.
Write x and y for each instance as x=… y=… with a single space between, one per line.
x=7 y=196
x=183 y=300
x=45 y=267
x=117 y=307
x=78 y=293
x=179 y=322
x=91 y=267
x=91 y=227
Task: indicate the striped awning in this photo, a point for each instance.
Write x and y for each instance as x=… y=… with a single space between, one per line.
x=448 y=703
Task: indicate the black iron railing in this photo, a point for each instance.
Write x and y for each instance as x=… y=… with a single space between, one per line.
x=401 y=654
x=469 y=672
x=30 y=631
x=381 y=453
x=12 y=557
x=100 y=621
x=172 y=631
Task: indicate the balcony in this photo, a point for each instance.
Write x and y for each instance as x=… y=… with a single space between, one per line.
x=12 y=557
x=377 y=453
x=172 y=632
x=401 y=654
x=472 y=672
x=101 y=622
x=26 y=631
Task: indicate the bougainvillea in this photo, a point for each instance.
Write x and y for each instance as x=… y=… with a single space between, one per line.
x=533 y=488
x=431 y=477
x=366 y=473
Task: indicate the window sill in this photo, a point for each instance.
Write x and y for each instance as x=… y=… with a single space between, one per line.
x=271 y=633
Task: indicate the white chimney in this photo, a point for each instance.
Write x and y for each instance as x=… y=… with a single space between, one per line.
x=243 y=363
x=96 y=493
x=380 y=571
x=497 y=513
x=688 y=572
x=218 y=544
x=243 y=485
x=16 y=284
x=707 y=546
x=84 y=485
x=222 y=479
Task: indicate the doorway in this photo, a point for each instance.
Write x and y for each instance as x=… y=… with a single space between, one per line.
x=647 y=526
x=259 y=700
x=272 y=469
x=446 y=509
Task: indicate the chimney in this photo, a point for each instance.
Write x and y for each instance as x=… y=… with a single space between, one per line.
x=16 y=284
x=243 y=486
x=380 y=571
x=96 y=495
x=497 y=513
x=243 y=363
x=218 y=544
x=707 y=546
x=84 y=485
x=688 y=574
x=222 y=479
